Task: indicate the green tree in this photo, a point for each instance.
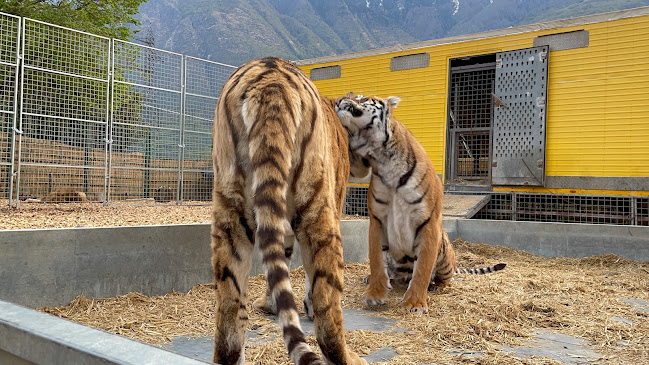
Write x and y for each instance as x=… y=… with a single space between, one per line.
x=109 y=18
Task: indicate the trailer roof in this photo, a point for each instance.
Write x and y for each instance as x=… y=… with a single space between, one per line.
x=589 y=19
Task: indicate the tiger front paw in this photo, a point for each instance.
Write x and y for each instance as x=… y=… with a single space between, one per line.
x=375 y=296
x=414 y=303
x=264 y=304
x=354 y=359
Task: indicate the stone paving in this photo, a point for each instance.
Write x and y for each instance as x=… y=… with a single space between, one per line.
x=566 y=349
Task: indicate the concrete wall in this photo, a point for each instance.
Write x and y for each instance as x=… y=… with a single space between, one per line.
x=50 y=267
x=31 y=337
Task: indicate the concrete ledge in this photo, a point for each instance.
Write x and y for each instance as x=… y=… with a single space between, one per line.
x=50 y=267
x=559 y=239
x=31 y=337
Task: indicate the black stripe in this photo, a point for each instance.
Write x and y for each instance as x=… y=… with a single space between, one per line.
x=249 y=233
x=269 y=62
x=405 y=259
x=275 y=276
x=305 y=143
x=404 y=179
x=309 y=358
x=273 y=256
x=418 y=200
x=423 y=224
x=378 y=220
x=285 y=301
x=228 y=274
x=404 y=269
x=331 y=279
x=295 y=335
x=267 y=236
x=270 y=202
x=376 y=199
x=233 y=247
x=385 y=129
x=288 y=252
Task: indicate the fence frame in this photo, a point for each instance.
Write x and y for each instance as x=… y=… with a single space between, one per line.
x=108 y=117
x=13 y=130
x=20 y=105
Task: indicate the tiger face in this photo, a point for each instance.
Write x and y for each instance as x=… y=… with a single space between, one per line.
x=367 y=121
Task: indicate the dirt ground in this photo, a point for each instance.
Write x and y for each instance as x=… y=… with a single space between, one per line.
x=577 y=297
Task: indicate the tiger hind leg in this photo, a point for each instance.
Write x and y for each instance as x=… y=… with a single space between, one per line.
x=319 y=237
x=231 y=260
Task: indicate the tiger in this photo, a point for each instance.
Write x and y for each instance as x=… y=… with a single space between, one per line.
x=400 y=272
x=281 y=163
x=406 y=240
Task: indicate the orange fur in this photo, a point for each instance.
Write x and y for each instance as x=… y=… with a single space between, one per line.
x=280 y=166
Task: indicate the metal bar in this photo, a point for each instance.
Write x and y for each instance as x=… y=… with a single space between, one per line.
x=181 y=134
x=65 y=118
x=107 y=140
x=70 y=29
x=109 y=129
x=117 y=167
x=212 y=62
x=62 y=165
x=147 y=126
x=148 y=87
x=148 y=47
x=16 y=114
x=67 y=74
x=19 y=128
x=202 y=96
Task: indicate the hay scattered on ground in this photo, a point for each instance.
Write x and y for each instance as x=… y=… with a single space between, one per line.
x=578 y=297
x=118 y=214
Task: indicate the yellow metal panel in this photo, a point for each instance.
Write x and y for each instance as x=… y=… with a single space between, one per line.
x=598 y=96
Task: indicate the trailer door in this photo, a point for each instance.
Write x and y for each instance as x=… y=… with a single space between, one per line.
x=520 y=94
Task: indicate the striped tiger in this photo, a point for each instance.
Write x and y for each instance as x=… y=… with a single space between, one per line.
x=400 y=272
x=281 y=164
x=406 y=238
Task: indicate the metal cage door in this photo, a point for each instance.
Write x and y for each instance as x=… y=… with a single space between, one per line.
x=520 y=94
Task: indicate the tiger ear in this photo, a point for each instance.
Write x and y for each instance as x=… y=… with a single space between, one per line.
x=393 y=101
x=350 y=94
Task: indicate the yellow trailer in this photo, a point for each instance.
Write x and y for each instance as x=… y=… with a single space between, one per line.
x=550 y=119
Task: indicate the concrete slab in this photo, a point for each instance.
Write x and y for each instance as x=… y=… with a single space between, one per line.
x=202 y=348
x=637 y=304
x=567 y=349
x=463 y=206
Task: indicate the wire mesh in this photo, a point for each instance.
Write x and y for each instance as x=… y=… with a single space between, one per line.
x=146 y=123
x=203 y=83
x=356 y=201
x=567 y=208
x=9 y=41
x=470 y=120
x=642 y=211
x=64 y=115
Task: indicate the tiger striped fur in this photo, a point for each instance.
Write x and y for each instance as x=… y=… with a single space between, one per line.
x=281 y=164
x=406 y=238
x=400 y=272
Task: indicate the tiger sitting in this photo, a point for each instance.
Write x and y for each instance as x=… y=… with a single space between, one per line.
x=406 y=240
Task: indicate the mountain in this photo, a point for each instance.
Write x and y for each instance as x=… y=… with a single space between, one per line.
x=234 y=31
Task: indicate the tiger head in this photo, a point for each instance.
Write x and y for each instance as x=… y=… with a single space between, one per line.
x=367 y=121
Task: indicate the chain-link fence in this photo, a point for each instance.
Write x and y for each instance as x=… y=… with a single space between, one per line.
x=83 y=117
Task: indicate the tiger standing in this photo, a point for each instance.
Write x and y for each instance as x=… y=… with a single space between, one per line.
x=406 y=240
x=281 y=164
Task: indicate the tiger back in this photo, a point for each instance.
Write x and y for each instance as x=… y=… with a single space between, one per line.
x=280 y=164
x=406 y=240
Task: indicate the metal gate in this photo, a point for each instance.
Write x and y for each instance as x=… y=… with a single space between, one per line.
x=63 y=120
x=203 y=81
x=519 y=117
x=146 y=129
x=470 y=123
x=9 y=61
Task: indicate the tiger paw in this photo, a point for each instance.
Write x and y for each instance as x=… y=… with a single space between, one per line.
x=353 y=358
x=263 y=304
x=375 y=296
x=414 y=304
